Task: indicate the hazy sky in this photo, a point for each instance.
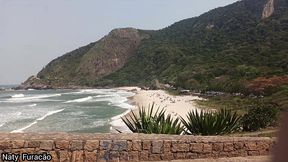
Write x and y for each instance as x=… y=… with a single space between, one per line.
x=34 y=32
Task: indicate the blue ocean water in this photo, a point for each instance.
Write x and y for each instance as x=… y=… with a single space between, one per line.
x=86 y=110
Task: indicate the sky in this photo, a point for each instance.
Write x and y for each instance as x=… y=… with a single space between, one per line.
x=34 y=32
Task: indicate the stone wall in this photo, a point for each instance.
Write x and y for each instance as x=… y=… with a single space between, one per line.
x=132 y=147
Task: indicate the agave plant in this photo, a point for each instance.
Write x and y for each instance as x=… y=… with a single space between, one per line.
x=147 y=121
x=211 y=123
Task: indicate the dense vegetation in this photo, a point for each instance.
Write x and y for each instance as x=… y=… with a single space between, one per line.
x=260 y=116
x=204 y=122
x=223 y=50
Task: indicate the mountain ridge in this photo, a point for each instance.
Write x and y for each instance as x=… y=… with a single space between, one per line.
x=223 y=49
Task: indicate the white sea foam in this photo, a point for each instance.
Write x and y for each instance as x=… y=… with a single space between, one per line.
x=94 y=91
x=116 y=122
x=31 y=98
x=104 y=95
x=17 y=96
x=49 y=113
x=115 y=100
x=1 y=125
x=80 y=99
x=99 y=123
x=32 y=105
x=121 y=101
x=36 y=121
x=17 y=114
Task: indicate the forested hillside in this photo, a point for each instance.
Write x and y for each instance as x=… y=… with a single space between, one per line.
x=242 y=47
x=224 y=50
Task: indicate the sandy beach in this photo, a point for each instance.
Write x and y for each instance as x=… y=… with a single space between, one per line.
x=175 y=105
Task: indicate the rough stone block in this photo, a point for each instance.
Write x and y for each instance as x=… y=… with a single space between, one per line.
x=203 y=156
x=91 y=145
x=32 y=144
x=134 y=156
x=242 y=153
x=119 y=145
x=215 y=154
x=46 y=145
x=124 y=156
x=196 y=147
x=76 y=145
x=251 y=146
x=253 y=153
x=223 y=154
x=105 y=144
x=146 y=145
x=157 y=146
x=144 y=156
x=28 y=150
x=180 y=155
x=207 y=148
x=154 y=157
x=217 y=147
x=64 y=156
x=238 y=145
x=54 y=156
x=261 y=145
x=264 y=152
x=91 y=156
x=167 y=156
x=114 y=155
x=5 y=144
x=129 y=145
x=103 y=155
x=180 y=147
x=78 y=156
x=62 y=144
x=190 y=155
x=167 y=146
x=18 y=144
x=136 y=145
x=228 y=147
x=234 y=153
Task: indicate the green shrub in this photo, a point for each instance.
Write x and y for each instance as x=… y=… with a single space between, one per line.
x=260 y=115
x=211 y=123
x=148 y=122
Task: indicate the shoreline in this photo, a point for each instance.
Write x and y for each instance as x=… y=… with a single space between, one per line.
x=175 y=105
x=116 y=123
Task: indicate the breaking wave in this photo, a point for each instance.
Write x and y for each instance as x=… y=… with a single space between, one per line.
x=80 y=99
x=36 y=121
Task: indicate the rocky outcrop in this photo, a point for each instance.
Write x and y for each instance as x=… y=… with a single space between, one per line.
x=110 y=53
x=268 y=9
x=34 y=82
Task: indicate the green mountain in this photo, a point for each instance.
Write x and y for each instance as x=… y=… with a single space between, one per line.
x=226 y=49
x=85 y=65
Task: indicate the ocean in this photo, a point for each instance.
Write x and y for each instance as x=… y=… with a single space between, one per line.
x=83 y=111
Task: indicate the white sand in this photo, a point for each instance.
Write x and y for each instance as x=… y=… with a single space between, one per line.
x=174 y=105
